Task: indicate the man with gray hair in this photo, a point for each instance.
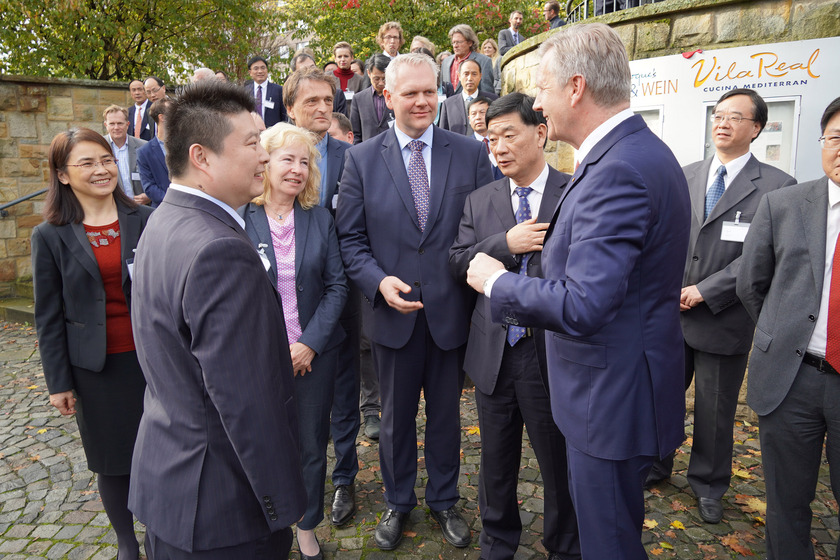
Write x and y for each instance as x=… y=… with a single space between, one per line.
x=465 y=46
x=415 y=314
x=613 y=264
x=203 y=74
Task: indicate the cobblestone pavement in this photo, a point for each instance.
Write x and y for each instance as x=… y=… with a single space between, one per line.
x=50 y=507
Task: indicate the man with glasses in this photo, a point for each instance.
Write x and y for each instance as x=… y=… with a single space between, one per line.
x=125 y=149
x=369 y=114
x=551 y=12
x=725 y=190
x=465 y=46
x=155 y=88
x=390 y=38
x=788 y=285
x=268 y=96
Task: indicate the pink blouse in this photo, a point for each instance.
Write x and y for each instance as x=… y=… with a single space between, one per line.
x=283 y=240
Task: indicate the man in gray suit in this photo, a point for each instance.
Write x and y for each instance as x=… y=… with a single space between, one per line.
x=369 y=114
x=788 y=286
x=216 y=471
x=509 y=371
x=124 y=148
x=510 y=37
x=725 y=190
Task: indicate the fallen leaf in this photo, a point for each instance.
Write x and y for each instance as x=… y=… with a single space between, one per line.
x=759 y=520
x=731 y=541
x=751 y=504
x=364 y=443
x=666 y=546
x=670 y=534
x=473 y=430
x=42 y=431
x=678 y=525
x=32 y=387
x=677 y=505
x=656 y=551
x=410 y=534
x=741 y=473
x=650 y=523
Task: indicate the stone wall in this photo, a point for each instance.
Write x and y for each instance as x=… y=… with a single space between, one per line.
x=32 y=112
x=676 y=26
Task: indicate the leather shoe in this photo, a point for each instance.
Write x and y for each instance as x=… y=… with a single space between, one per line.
x=711 y=510
x=389 y=531
x=319 y=556
x=343 y=505
x=455 y=529
x=653 y=479
x=372 y=427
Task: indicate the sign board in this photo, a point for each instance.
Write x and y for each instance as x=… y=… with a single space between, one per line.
x=675 y=95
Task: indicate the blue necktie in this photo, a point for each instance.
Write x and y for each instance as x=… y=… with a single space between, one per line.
x=715 y=191
x=514 y=334
x=419 y=181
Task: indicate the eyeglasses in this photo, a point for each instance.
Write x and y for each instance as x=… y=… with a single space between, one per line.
x=718 y=118
x=151 y=91
x=90 y=165
x=391 y=37
x=830 y=142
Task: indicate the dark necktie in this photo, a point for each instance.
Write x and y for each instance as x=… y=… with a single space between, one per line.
x=715 y=191
x=419 y=181
x=514 y=334
x=379 y=105
x=832 y=343
x=515 y=38
x=258 y=101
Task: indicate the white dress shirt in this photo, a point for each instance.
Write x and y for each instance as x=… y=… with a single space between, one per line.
x=732 y=169
x=819 y=337
x=205 y=196
x=403 y=139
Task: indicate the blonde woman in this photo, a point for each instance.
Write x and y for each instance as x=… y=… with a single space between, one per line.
x=491 y=49
x=297 y=241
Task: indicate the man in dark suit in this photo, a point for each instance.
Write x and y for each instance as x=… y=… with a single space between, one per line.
x=476 y=114
x=507 y=219
x=369 y=114
x=216 y=471
x=303 y=60
x=453 y=111
x=398 y=210
x=151 y=158
x=268 y=96
x=465 y=47
x=124 y=148
x=139 y=124
x=613 y=262
x=789 y=282
x=510 y=37
x=551 y=12
x=725 y=190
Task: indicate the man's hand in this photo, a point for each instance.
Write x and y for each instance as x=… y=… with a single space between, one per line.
x=482 y=267
x=142 y=199
x=526 y=237
x=690 y=297
x=390 y=288
x=302 y=356
x=65 y=402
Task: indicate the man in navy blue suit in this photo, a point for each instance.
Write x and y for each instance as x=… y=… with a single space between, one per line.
x=151 y=158
x=268 y=96
x=613 y=264
x=399 y=206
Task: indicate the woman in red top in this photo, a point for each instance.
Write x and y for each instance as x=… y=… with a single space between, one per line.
x=80 y=268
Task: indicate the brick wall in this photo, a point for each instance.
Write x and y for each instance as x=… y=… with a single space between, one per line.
x=32 y=112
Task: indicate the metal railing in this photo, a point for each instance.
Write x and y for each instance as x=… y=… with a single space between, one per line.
x=579 y=10
x=4 y=213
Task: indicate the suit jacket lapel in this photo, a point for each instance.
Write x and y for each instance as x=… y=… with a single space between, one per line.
x=394 y=162
x=129 y=235
x=441 y=156
x=333 y=165
x=551 y=196
x=302 y=220
x=502 y=204
x=738 y=189
x=814 y=210
x=697 y=190
x=258 y=224
x=75 y=238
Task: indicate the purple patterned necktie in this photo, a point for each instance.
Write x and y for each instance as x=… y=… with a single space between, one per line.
x=258 y=101
x=523 y=212
x=419 y=181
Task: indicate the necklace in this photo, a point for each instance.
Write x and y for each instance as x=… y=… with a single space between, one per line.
x=280 y=214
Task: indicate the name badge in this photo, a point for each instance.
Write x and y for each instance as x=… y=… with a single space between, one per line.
x=734 y=231
x=129 y=263
x=269 y=104
x=391 y=124
x=263 y=257
x=441 y=98
x=335 y=201
x=135 y=176
x=349 y=95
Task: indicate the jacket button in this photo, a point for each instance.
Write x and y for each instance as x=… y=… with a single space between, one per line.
x=273 y=517
x=695 y=258
x=798 y=352
x=416 y=283
x=300 y=288
x=421 y=251
x=812 y=318
x=267 y=499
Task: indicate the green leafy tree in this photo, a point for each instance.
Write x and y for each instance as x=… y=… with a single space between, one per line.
x=357 y=21
x=124 y=39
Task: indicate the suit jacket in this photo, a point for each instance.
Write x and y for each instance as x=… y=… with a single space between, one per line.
x=379 y=234
x=613 y=264
x=506 y=40
x=488 y=215
x=780 y=283
x=335 y=168
x=556 y=22
x=319 y=274
x=486 y=84
x=216 y=461
x=154 y=175
x=148 y=125
x=363 y=117
x=453 y=113
x=721 y=325
x=134 y=144
x=70 y=295
x=273 y=92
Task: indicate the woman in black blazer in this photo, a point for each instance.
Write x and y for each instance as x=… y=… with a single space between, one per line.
x=297 y=241
x=80 y=268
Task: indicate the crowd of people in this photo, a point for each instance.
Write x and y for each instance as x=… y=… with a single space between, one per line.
x=235 y=275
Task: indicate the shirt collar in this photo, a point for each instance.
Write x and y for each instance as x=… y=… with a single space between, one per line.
x=478 y=136
x=732 y=168
x=474 y=94
x=322 y=145
x=214 y=200
x=599 y=133
x=538 y=184
x=404 y=138
x=833 y=193
x=117 y=148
